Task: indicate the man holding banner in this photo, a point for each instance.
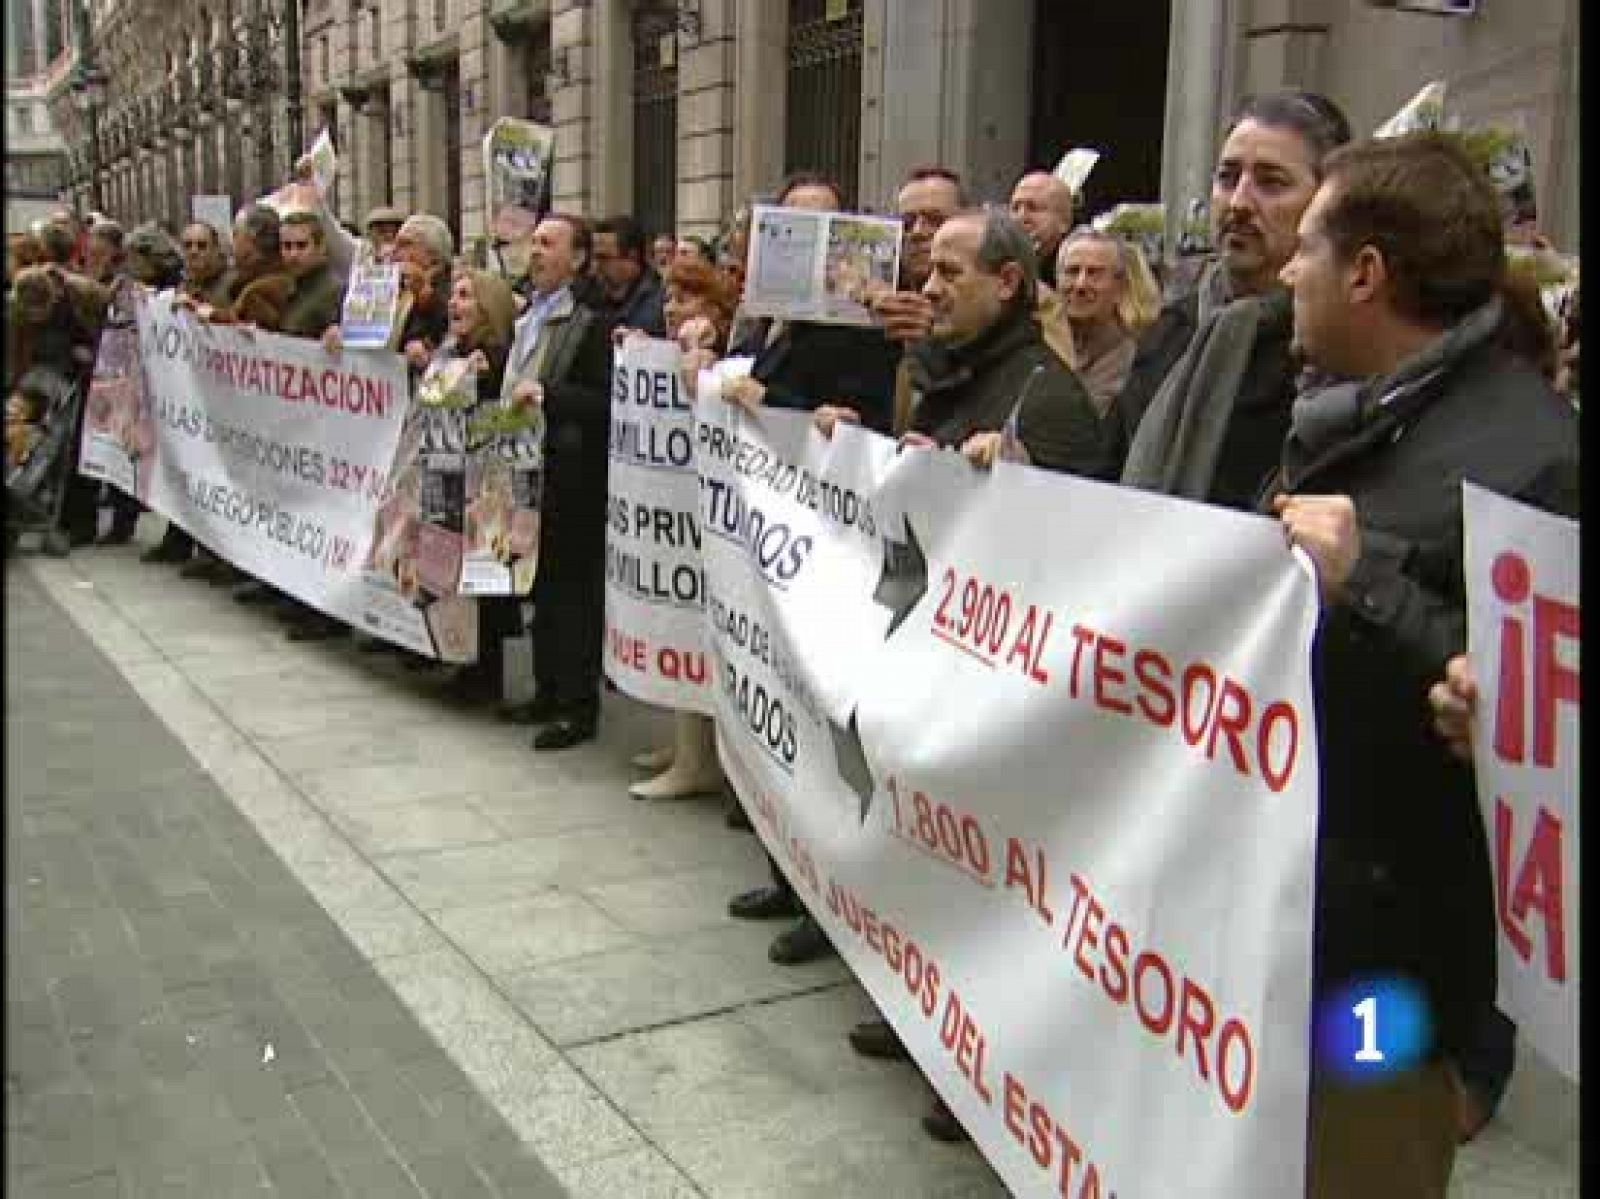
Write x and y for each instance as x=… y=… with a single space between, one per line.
x=560 y=362
x=1370 y=489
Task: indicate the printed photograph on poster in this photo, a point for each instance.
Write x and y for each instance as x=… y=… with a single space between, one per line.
x=502 y=526
x=119 y=434
x=518 y=157
x=819 y=266
x=371 y=306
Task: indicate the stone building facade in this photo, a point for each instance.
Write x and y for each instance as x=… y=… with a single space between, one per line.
x=679 y=110
x=38 y=71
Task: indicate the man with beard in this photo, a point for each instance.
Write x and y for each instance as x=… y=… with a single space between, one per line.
x=1206 y=407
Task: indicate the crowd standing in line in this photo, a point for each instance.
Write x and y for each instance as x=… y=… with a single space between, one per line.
x=1355 y=346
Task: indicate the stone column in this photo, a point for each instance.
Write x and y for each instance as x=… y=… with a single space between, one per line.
x=475 y=116
x=405 y=110
x=1201 y=62
x=572 y=106
x=705 y=123
x=610 y=60
x=760 y=65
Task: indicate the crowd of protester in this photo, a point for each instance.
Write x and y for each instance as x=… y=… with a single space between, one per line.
x=1356 y=344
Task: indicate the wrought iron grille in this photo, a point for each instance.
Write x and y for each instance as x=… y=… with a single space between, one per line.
x=822 y=122
x=655 y=124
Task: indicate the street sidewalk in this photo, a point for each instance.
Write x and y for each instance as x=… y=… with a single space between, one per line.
x=568 y=946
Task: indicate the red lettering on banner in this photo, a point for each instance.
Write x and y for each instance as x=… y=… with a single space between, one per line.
x=959 y=1034
x=899 y=951
x=1554 y=682
x=1033 y=878
x=1538 y=888
x=1212 y=711
x=1166 y=1002
x=980 y=625
x=1052 y=1147
x=628 y=650
x=676 y=664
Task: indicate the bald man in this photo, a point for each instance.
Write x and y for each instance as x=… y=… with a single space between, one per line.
x=1042 y=205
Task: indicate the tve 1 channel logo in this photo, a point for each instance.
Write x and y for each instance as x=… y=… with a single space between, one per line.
x=1373 y=1028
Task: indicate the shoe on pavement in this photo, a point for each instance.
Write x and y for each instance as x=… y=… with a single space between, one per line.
x=737 y=817
x=165 y=555
x=805 y=942
x=564 y=734
x=254 y=593
x=538 y=710
x=200 y=568
x=764 y=903
x=941 y=1124
x=876 y=1039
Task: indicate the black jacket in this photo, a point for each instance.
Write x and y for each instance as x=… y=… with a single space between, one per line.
x=1260 y=417
x=975 y=388
x=809 y=365
x=640 y=308
x=1403 y=882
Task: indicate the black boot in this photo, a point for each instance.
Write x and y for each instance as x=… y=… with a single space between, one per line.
x=805 y=942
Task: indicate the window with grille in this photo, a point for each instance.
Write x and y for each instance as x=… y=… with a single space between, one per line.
x=823 y=89
x=655 y=121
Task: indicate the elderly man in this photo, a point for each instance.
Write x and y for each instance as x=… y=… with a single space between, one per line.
x=1043 y=205
x=1206 y=406
x=560 y=361
x=630 y=288
x=383 y=227
x=1400 y=288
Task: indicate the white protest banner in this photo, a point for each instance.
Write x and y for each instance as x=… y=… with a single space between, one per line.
x=1524 y=641
x=1061 y=827
x=371 y=305
x=277 y=457
x=655 y=586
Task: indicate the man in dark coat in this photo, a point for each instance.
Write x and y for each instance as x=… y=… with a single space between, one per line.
x=561 y=361
x=1400 y=285
x=1213 y=377
x=629 y=288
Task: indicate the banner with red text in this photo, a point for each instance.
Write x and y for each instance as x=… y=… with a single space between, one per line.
x=1524 y=642
x=1040 y=754
x=655 y=585
x=277 y=456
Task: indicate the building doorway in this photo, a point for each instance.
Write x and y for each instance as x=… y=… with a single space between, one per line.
x=823 y=110
x=1100 y=80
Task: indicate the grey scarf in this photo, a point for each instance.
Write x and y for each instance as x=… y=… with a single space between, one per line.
x=1179 y=440
x=1330 y=415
